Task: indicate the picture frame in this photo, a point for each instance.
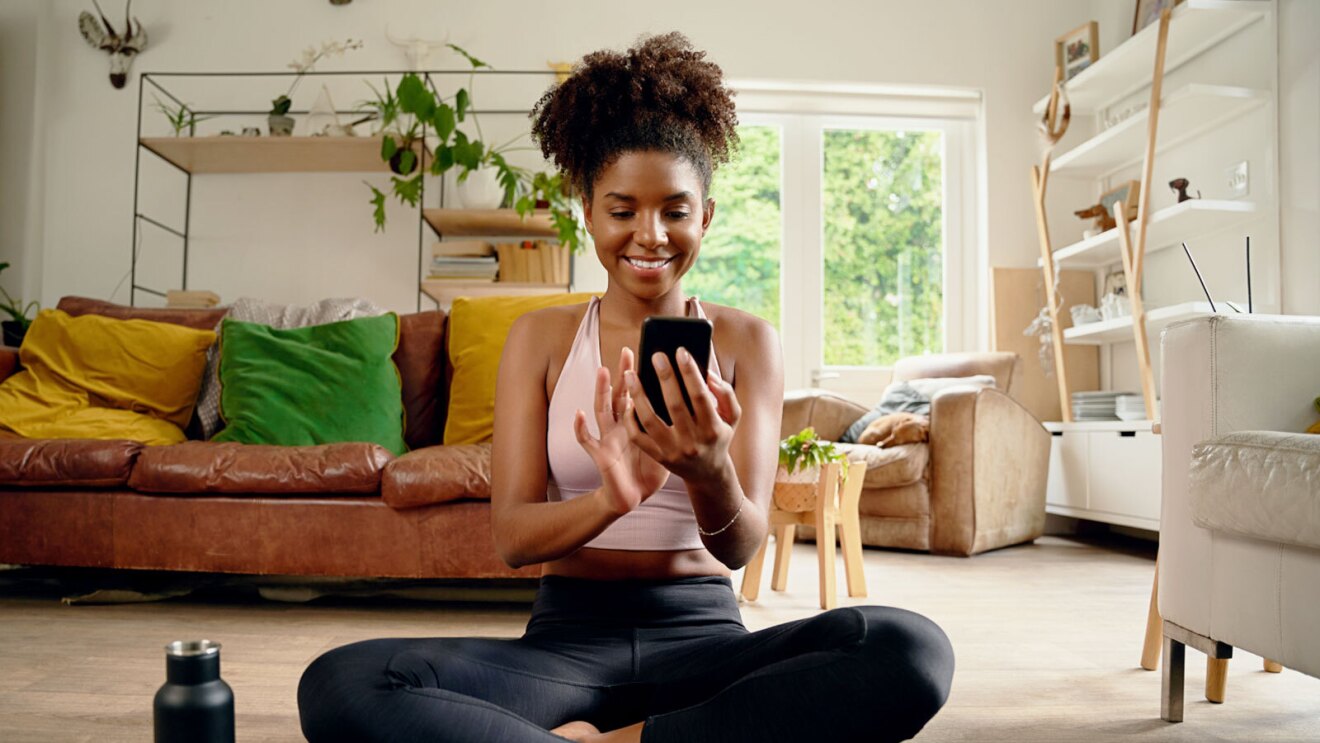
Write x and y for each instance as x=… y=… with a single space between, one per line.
x=1077 y=49
x=1128 y=193
x=1148 y=11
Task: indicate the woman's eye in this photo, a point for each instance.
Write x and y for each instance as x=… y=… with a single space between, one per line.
x=621 y=215
x=678 y=215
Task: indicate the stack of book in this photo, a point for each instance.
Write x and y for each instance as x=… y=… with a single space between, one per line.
x=533 y=262
x=467 y=260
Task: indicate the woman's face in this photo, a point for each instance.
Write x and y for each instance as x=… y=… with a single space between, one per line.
x=647 y=217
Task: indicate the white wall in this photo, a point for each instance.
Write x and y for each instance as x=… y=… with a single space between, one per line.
x=1299 y=150
x=298 y=238
x=20 y=220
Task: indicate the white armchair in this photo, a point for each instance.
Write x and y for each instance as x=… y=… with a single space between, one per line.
x=1240 y=525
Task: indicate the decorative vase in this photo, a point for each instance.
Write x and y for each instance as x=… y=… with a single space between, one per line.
x=480 y=190
x=12 y=333
x=194 y=705
x=796 y=493
x=280 y=126
x=396 y=161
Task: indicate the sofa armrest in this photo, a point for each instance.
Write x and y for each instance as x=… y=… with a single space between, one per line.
x=828 y=413
x=989 y=460
x=8 y=362
x=1221 y=374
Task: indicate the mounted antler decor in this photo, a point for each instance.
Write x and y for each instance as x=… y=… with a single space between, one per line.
x=122 y=48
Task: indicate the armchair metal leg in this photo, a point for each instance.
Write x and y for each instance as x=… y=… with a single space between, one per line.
x=1171 y=681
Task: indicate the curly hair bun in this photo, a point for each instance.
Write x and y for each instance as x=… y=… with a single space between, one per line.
x=662 y=94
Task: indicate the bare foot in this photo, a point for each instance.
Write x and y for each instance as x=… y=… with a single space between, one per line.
x=576 y=730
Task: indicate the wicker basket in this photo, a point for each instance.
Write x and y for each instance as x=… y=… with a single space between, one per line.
x=796 y=493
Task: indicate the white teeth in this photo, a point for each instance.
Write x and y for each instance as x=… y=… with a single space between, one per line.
x=647 y=264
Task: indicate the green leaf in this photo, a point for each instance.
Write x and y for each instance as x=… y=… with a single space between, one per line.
x=388 y=147
x=407 y=159
x=378 y=202
x=412 y=94
x=444 y=160
x=461 y=103
x=408 y=190
x=443 y=121
x=476 y=63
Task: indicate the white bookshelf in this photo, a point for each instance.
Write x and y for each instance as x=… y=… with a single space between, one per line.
x=1165 y=229
x=1196 y=26
x=1184 y=113
x=1119 y=329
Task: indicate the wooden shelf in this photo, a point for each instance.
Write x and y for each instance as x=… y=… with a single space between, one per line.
x=1119 y=329
x=1186 y=221
x=489 y=223
x=445 y=291
x=1196 y=25
x=235 y=154
x=1185 y=113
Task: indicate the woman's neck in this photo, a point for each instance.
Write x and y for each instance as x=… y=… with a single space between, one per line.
x=629 y=310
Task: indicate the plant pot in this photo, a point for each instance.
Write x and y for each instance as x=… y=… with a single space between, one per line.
x=13 y=332
x=796 y=493
x=280 y=126
x=396 y=162
x=480 y=190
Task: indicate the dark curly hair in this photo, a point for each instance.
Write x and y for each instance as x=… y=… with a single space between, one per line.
x=661 y=95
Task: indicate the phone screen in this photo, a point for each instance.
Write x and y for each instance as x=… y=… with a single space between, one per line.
x=666 y=335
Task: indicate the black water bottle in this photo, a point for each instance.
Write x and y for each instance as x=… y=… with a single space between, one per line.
x=194 y=705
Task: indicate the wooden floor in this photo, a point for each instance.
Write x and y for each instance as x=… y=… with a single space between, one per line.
x=1047 y=639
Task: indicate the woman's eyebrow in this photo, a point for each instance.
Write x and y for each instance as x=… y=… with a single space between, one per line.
x=626 y=197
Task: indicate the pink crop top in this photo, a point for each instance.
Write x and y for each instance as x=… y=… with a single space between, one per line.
x=662 y=522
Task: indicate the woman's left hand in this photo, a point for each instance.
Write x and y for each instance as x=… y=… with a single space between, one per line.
x=696 y=446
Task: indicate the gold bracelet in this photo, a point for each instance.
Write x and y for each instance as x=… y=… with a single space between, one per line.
x=721 y=530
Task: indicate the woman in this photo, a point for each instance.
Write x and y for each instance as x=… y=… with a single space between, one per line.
x=635 y=630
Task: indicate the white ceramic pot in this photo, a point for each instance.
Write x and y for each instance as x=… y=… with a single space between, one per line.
x=481 y=190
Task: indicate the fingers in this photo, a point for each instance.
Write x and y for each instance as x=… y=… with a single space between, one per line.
x=729 y=408
x=673 y=392
x=704 y=410
x=604 y=401
x=639 y=438
x=583 y=436
x=626 y=364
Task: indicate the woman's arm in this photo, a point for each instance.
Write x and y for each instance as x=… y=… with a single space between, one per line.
x=527 y=528
x=727 y=449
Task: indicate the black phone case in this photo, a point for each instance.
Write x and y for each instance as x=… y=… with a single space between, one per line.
x=666 y=335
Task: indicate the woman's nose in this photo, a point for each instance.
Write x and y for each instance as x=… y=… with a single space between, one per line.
x=650 y=233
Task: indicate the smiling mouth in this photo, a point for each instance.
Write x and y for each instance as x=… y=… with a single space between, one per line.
x=649 y=264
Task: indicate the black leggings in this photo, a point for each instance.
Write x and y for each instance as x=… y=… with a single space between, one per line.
x=613 y=653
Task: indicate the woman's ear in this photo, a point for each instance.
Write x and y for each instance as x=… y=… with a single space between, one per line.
x=706 y=214
x=586 y=212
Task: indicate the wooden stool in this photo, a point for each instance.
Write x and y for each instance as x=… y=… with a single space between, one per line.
x=833 y=507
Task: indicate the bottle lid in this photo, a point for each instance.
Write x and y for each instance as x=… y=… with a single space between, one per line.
x=190 y=648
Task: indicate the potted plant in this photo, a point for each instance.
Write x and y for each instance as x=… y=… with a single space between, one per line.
x=16 y=327
x=399 y=131
x=278 y=120
x=180 y=117
x=800 y=458
x=526 y=190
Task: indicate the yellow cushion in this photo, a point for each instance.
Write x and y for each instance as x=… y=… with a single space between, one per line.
x=94 y=377
x=477 y=329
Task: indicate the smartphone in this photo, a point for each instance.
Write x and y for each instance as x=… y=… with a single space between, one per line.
x=666 y=335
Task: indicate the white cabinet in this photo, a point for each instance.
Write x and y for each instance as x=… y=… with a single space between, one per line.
x=1107 y=472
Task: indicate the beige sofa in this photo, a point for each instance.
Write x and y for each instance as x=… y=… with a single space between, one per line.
x=978 y=484
x=1240 y=518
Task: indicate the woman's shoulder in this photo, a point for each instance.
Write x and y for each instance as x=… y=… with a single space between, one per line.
x=743 y=329
x=551 y=320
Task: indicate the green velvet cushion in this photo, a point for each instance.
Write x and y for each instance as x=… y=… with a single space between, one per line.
x=314 y=385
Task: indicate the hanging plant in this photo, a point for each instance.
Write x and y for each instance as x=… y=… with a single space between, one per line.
x=418 y=106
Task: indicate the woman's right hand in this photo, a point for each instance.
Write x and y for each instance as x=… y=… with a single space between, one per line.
x=628 y=476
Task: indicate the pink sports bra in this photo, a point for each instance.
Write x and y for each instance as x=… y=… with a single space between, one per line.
x=662 y=522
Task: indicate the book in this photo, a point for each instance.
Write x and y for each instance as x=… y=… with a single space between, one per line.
x=462 y=248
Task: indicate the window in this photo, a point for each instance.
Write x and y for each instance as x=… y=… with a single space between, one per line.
x=836 y=229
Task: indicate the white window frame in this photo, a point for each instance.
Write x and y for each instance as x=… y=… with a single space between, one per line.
x=802 y=112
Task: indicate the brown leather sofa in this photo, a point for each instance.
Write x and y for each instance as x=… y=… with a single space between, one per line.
x=337 y=510
x=978 y=484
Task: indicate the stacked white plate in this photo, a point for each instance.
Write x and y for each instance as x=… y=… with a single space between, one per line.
x=1130 y=407
x=1095 y=406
